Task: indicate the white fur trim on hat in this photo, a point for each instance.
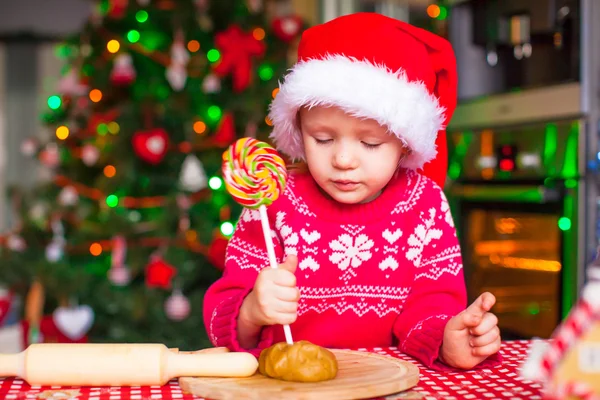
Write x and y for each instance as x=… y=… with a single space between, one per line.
x=364 y=90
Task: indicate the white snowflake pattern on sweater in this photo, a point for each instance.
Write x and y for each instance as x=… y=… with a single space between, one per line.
x=423 y=235
x=290 y=238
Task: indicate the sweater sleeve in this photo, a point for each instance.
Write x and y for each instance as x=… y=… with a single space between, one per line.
x=246 y=255
x=438 y=292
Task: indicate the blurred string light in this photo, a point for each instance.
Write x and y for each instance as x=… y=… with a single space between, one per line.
x=437 y=12
x=62 y=132
x=258 y=33
x=113 y=46
x=63 y=51
x=265 y=72
x=114 y=127
x=214 y=113
x=102 y=129
x=95 y=249
x=95 y=95
x=112 y=200
x=274 y=92
x=213 y=55
x=199 y=127
x=54 y=102
x=141 y=16
x=110 y=171
x=215 y=183
x=193 y=46
x=227 y=228
x=133 y=36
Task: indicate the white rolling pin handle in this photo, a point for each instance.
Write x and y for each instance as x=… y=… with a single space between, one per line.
x=227 y=365
x=12 y=365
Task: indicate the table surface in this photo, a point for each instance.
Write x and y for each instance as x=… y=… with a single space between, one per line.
x=502 y=382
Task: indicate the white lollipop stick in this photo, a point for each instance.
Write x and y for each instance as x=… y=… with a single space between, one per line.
x=272 y=259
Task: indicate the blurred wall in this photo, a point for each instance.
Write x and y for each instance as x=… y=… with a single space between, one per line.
x=29 y=72
x=42 y=18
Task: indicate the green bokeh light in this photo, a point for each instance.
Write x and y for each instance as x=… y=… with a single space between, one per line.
x=213 y=55
x=133 y=36
x=564 y=224
x=265 y=72
x=63 y=51
x=214 y=113
x=443 y=13
x=102 y=129
x=141 y=16
x=112 y=201
x=54 y=102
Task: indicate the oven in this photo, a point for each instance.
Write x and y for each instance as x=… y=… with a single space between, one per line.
x=513 y=192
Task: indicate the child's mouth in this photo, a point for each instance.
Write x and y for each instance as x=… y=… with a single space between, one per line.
x=346 y=186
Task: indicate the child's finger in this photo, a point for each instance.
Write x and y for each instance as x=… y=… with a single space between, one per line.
x=287 y=293
x=290 y=264
x=487 y=350
x=286 y=307
x=486 y=324
x=284 y=278
x=482 y=304
x=287 y=318
x=485 y=339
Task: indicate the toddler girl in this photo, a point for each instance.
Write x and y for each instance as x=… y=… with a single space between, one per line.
x=368 y=250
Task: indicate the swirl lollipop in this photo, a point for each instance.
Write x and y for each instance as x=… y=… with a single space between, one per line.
x=255 y=176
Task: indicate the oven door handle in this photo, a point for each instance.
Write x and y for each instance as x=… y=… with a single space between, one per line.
x=505 y=193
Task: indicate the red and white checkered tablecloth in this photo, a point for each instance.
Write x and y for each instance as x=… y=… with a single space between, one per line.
x=502 y=382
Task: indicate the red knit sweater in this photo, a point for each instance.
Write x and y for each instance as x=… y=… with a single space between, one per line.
x=384 y=273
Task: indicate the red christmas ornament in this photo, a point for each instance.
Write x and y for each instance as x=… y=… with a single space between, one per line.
x=159 y=274
x=151 y=146
x=5 y=303
x=123 y=72
x=216 y=251
x=225 y=134
x=117 y=8
x=237 y=49
x=287 y=28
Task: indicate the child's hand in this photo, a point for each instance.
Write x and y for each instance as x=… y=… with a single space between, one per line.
x=471 y=336
x=274 y=299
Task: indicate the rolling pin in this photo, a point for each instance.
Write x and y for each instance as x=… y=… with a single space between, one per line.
x=66 y=364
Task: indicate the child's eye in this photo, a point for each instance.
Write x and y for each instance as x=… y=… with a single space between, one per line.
x=322 y=141
x=371 y=145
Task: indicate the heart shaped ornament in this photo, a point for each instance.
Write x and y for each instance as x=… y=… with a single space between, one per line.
x=288 y=27
x=74 y=322
x=151 y=146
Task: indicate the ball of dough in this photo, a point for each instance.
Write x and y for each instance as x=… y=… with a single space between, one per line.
x=299 y=362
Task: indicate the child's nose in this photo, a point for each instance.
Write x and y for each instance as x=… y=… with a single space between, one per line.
x=344 y=159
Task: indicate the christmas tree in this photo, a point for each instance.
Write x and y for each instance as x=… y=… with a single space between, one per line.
x=120 y=244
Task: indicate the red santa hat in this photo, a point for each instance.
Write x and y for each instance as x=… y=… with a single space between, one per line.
x=376 y=67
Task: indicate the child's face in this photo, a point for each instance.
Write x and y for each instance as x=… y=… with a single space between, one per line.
x=352 y=159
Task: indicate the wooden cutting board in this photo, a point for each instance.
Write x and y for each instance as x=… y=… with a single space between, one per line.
x=361 y=375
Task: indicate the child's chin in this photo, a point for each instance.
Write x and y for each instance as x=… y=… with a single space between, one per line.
x=348 y=197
